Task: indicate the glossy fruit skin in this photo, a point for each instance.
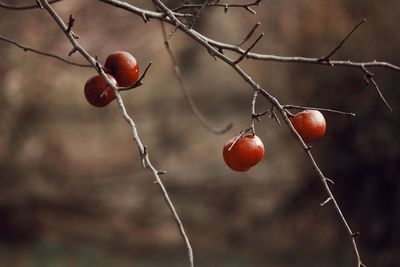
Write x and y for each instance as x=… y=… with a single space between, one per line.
x=124 y=67
x=97 y=92
x=310 y=124
x=247 y=152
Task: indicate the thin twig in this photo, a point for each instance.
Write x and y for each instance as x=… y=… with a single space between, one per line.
x=327 y=58
x=225 y=6
x=143 y=152
x=254 y=116
x=138 y=82
x=369 y=77
x=194 y=35
x=185 y=92
x=219 y=46
x=248 y=36
x=320 y=109
x=29 y=49
x=198 y=12
x=237 y=61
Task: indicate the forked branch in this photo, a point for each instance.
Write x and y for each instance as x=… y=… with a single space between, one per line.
x=143 y=151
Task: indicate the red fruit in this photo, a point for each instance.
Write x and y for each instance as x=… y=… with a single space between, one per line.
x=246 y=152
x=310 y=124
x=123 y=66
x=98 y=92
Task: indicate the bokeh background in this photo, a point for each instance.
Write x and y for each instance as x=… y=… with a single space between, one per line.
x=72 y=188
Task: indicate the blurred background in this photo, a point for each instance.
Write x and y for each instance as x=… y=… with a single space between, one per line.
x=72 y=188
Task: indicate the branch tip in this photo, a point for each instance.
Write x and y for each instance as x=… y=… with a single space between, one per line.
x=325 y=202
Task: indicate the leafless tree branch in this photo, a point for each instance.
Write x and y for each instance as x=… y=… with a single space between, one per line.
x=217 y=4
x=320 y=109
x=216 y=49
x=248 y=36
x=29 y=49
x=185 y=92
x=251 y=55
x=328 y=57
x=203 y=41
x=369 y=78
x=143 y=151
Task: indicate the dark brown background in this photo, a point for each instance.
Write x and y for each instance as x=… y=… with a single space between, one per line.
x=72 y=188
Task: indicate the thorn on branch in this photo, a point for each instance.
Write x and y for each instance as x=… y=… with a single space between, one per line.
x=273 y=115
x=73 y=50
x=71 y=21
x=161 y=172
x=40 y=5
x=308 y=148
x=355 y=234
x=369 y=78
x=145 y=18
x=250 y=10
x=326 y=201
x=329 y=180
x=144 y=154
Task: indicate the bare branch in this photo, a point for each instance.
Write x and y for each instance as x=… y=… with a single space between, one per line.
x=248 y=36
x=217 y=4
x=204 y=42
x=237 y=61
x=198 y=12
x=185 y=92
x=142 y=149
x=296 y=59
x=29 y=49
x=327 y=58
x=219 y=46
x=320 y=109
x=369 y=77
x=138 y=82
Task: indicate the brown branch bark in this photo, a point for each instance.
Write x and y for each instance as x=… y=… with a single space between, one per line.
x=185 y=92
x=36 y=51
x=143 y=151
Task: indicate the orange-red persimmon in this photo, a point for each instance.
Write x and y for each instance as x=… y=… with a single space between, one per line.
x=124 y=67
x=310 y=124
x=97 y=92
x=245 y=153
